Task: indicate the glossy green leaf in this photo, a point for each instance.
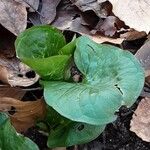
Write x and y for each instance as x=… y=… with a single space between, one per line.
x=73 y=133
x=51 y=68
x=39 y=42
x=111 y=78
x=38 y=47
x=69 y=48
x=67 y=133
x=10 y=139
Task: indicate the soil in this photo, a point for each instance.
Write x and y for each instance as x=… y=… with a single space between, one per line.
x=117 y=135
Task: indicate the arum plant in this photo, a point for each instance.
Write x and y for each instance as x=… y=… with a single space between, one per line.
x=78 y=112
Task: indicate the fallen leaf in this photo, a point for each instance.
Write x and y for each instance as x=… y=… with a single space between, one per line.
x=15 y=93
x=65 y=16
x=48 y=12
x=134 y=13
x=132 y=35
x=109 y=26
x=15 y=73
x=140 y=123
x=143 y=55
x=13 y=16
x=7 y=39
x=69 y=19
x=23 y=115
x=93 y=5
x=103 y=39
x=32 y=4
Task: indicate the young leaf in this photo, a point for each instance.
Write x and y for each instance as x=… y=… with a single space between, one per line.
x=73 y=133
x=39 y=42
x=69 y=48
x=111 y=77
x=10 y=139
x=51 y=68
x=38 y=47
x=67 y=133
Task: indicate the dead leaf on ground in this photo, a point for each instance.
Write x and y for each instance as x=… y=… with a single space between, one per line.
x=13 y=16
x=48 y=12
x=109 y=26
x=134 y=13
x=103 y=39
x=140 y=123
x=7 y=39
x=23 y=115
x=15 y=73
x=65 y=15
x=93 y=5
x=15 y=93
x=143 y=55
x=32 y=4
x=132 y=35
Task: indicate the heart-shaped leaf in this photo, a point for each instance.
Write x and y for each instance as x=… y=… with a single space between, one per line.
x=10 y=139
x=38 y=47
x=111 y=78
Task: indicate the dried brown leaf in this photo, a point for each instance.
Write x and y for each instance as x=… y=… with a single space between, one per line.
x=109 y=26
x=7 y=39
x=32 y=4
x=69 y=19
x=13 y=16
x=16 y=93
x=15 y=73
x=23 y=115
x=48 y=12
x=143 y=55
x=103 y=39
x=134 y=13
x=65 y=16
x=140 y=123
x=93 y=5
x=133 y=35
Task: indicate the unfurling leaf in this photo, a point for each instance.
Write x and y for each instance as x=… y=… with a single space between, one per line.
x=38 y=47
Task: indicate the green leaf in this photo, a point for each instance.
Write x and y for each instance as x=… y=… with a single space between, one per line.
x=73 y=133
x=10 y=139
x=67 y=133
x=69 y=48
x=51 y=68
x=39 y=42
x=112 y=77
x=38 y=47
